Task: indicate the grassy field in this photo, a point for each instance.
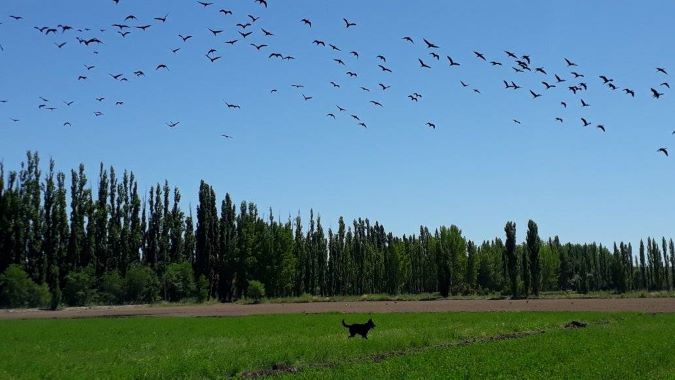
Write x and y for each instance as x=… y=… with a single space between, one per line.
x=433 y=345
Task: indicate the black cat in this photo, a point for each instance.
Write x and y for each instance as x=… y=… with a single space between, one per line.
x=359 y=328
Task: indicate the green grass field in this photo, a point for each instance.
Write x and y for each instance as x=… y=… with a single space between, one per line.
x=434 y=345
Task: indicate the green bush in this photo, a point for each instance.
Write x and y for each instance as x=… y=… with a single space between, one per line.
x=255 y=291
x=111 y=289
x=202 y=289
x=79 y=289
x=141 y=285
x=18 y=290
x=178 y=282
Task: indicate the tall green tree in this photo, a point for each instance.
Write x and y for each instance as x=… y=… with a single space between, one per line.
x=533 y=246
x=511 y=258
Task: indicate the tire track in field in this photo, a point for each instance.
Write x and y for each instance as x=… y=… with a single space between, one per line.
x=285 y=368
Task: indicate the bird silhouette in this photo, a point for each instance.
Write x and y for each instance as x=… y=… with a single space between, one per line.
x=601 y=127
x=232 y=106
x=306 y=97
x=375 y=103
x=452 y=62
x=262 y=2
x=258 y=47
x=423 y=65
x=585 y=122
x=184 y=38
x=664 y=151
x=215 y=32
x=306 y=22
x=662 y=70
x=161 y=66
x=570 y=63
x=385 y=69
x=534 y=94
x=267 y=34
x=656 y=94
x=331 y=115
x=408 y=39
x=430 y=45
x=172 y=124
x=479 y=55
x=348 y=24
x=431 y=125
x=204 y=4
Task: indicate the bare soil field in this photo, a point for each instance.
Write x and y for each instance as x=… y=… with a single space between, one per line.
x=644 y=305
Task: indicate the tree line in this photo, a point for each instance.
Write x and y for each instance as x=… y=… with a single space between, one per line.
x=110 y=244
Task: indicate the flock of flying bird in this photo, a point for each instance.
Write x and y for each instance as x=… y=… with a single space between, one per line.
x=248 y=29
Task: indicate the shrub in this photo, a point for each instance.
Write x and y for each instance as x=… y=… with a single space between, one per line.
x=79 y=289
x=141 y=285
x=202 y=289
x=256 y=290
x=111 y=289
x=178 y=282
x=18 y=290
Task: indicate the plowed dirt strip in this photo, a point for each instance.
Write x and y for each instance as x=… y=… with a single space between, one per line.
x=645 y=305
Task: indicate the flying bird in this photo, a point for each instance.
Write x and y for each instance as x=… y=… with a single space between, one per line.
x=385 y=69
x=172 y=124
x=306 y=22
x=452 y=63
x=585 y=122
x=664 y=151
x=423 y=65
x=430 y=45
x=656 y=94
x=348 y=24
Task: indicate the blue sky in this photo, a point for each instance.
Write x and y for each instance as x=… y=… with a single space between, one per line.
x=477 y=169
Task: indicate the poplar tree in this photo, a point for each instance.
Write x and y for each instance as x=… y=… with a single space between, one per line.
x=533 y=246
x=511 y=258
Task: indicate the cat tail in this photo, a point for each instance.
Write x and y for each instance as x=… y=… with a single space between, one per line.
x=344 y=324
